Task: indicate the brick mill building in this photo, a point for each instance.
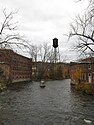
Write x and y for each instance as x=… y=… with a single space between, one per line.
x=82 y=71
x=50 y=71
x=14 y=67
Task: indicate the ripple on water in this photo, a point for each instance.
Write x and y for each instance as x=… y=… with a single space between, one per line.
x=56 y=104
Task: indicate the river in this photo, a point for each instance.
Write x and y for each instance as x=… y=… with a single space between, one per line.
x=56 y=104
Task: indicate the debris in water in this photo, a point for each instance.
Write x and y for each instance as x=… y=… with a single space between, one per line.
x=87 y=121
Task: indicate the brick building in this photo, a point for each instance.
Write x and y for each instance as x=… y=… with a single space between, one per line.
x=46 y=70
x=83 y=71
x=15 y=67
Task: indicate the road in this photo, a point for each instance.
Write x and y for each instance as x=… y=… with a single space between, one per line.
x=56 y=104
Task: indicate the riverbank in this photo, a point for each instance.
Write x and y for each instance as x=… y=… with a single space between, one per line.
x=2 y=84
x=84 y=87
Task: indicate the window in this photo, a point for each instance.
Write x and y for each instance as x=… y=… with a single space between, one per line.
x=84 y=77
x=33 y=67
x=89 y=66
x=93 y=76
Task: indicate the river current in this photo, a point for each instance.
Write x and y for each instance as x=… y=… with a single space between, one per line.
x=56 y=104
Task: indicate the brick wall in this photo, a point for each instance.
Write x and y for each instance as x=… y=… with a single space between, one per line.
x=19 y=67
x=83 y=71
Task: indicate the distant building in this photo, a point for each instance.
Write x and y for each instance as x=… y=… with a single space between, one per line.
x=14 y=67
x=47 y=71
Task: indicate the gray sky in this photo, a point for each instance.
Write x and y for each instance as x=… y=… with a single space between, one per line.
x=43 y=20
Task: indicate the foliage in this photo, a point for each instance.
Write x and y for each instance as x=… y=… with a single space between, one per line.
x=85 y=87
x=77 y=75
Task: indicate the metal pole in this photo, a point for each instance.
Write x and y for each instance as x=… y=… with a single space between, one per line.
x=55 y=54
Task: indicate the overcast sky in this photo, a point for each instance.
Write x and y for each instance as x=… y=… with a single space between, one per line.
x=43 y=20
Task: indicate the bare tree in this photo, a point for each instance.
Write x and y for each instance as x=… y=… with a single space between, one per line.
x=40 y=52
x=44 y=52
x=9 y=36
x=83 y=30
x=90 y=8
x=34 y=52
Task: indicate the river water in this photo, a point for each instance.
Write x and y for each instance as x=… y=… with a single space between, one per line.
x=56 y=104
